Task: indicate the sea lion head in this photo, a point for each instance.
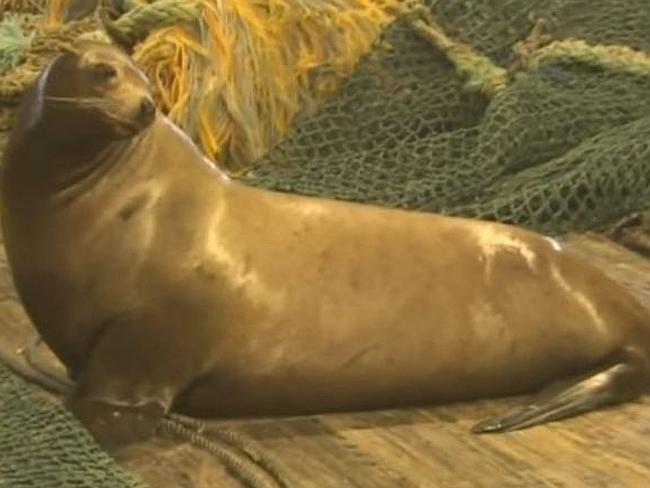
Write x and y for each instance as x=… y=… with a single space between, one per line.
x=93 y=90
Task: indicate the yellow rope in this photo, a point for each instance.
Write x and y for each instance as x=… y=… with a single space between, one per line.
x=479 y=72
x=144 y=18
x=615 y=58
x=238 y=78
x=55 y=12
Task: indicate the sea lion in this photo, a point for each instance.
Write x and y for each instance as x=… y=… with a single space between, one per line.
x=163 y=285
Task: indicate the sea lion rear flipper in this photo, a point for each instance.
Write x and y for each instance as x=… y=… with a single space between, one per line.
x=619 y=379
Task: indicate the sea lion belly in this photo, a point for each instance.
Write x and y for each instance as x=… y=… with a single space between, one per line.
x=379 y=305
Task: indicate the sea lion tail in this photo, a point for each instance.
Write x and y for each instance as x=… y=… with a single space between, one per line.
x=622 y=377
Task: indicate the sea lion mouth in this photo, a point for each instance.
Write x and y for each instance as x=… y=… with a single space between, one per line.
x=143 y=118
x=147 y=111
x=127 y=127
x=73 y=103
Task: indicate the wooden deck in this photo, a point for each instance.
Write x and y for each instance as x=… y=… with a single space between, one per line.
x=424 y=448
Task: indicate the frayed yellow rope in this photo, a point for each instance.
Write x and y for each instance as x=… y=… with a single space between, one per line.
x=481 y=74
x=143 y=18
x=239 y=79
x=55 y=12
x=621 y=59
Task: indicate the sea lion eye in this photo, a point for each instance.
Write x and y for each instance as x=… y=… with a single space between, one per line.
x=104 y=71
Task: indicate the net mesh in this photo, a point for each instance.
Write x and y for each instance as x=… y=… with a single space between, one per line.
x=43 y=446
x=562 y=147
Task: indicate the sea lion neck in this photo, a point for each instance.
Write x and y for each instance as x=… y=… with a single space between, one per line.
x=96 y=162
x=62 y=171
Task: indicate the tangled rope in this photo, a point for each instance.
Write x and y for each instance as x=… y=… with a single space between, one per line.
x=142 y=18
x=484 y=76
x=235 y=452
x=480 y=73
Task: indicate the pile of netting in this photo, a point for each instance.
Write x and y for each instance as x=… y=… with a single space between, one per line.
x=523 y=111
x=531 y=112
x=42 y=445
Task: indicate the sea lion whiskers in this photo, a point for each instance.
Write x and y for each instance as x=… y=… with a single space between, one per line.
x=102 y=106
x=75 y=183
x=126 y=123
x=78 y=102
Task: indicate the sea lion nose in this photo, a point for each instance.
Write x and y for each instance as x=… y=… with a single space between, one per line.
x=147 y=109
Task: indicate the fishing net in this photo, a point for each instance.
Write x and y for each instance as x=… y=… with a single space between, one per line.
x=42 y=445
x=562 y=145
x=525 y=111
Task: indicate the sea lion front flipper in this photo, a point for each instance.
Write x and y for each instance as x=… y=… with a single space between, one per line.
x=126 y=383
x=619 y=379
x=116 y=426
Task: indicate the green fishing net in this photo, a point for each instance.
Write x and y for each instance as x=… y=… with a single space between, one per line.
x=563 y=147
x=43 y=446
